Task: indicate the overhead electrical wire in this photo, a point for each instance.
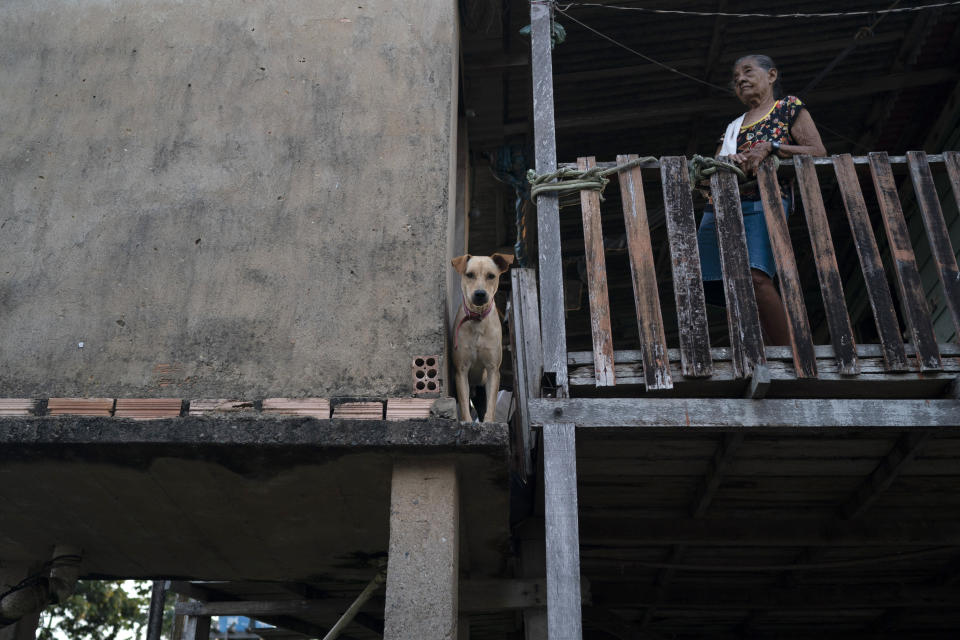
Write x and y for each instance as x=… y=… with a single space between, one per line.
x=775 y=16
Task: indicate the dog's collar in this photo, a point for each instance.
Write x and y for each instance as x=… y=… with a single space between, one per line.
x=476 y=316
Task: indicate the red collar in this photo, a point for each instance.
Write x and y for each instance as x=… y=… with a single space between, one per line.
x=476 y=316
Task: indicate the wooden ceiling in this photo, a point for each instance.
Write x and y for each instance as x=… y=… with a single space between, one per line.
x=886 y=93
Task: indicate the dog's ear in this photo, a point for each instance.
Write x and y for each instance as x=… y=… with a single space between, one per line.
x=460 y=263
x=502 y=260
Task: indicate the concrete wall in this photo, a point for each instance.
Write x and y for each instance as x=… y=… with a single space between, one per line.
x=223 y=198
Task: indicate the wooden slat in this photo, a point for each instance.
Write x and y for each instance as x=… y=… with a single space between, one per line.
x=952 y=160
x=736 y=414
x=937 y=232
x=874 y=277
x=831 y=285
x=527 y=354
x=742 y=318
x=562 y=531
x=597 y=282
x=801 y=341
x=653 y=340
x=915 y=310
x=552 y=319
x=687 y=277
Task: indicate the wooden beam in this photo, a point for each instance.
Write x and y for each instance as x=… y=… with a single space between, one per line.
x=710 y=482
x=706 y=490
x=695 y=64
x=552 y=311
x=910 y=48
x=819 y=597
x=527 y=355
x=736 y=414
x=709 y=62
x=616 y=119
x=883 y=476
x=563 y=540
x=761 y=531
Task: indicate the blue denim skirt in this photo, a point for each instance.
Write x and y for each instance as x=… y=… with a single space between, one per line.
x=758 y=245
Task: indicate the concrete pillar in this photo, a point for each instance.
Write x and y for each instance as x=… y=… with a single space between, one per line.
x=422 y=580
x=26 y=627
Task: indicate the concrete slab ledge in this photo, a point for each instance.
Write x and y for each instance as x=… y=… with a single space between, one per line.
x=432 y=435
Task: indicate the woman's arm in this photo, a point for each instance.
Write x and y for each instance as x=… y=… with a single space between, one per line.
x=805 y=135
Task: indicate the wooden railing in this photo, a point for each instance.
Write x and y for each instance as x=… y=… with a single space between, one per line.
x=746 y=352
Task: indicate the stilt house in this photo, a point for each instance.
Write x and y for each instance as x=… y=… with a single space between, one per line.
x=226 y=303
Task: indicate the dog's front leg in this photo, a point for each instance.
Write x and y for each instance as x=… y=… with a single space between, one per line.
x=463 y=395
x=492 y=387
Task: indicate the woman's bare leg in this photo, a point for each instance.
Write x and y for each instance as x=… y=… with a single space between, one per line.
x=773 y=319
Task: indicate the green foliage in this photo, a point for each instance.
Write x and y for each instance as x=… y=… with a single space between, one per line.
x=98 y=610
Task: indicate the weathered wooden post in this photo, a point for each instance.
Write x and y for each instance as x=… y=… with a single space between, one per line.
x=552 y=321
x=158 y=598
x=560 y=466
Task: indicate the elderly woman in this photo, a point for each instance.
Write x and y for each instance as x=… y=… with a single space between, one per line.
x=773 y=124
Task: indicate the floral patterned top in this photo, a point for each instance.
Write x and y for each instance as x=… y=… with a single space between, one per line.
x=773 y=126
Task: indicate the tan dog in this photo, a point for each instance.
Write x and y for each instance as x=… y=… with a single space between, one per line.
x=477 y=336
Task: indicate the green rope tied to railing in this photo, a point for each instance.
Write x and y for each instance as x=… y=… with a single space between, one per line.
x=572 y=181
x=702 y=168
